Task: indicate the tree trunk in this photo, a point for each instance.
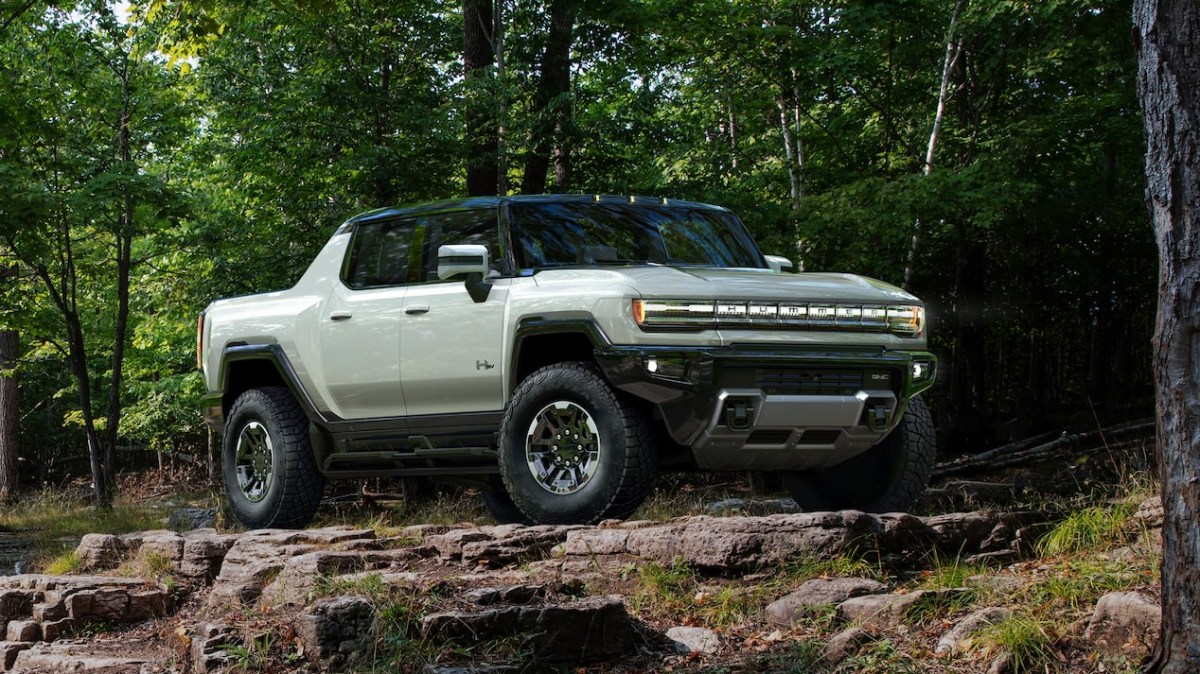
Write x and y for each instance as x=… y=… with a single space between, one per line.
x=10 y=350
x=1168 y=37
x=550 y=106
x=790 y=151
x=953 y=51
x=478 y=58
x=502 y=82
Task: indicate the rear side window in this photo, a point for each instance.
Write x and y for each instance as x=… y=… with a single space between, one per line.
x=381 y=254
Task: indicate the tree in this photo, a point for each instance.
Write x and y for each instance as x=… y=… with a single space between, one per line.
x=479 y=58
x=10 y=413
x=1167 y=33
x=552 y=108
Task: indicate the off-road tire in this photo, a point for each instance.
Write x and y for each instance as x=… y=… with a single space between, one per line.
x=886 y=478
x=627 y=458
x=296 y=486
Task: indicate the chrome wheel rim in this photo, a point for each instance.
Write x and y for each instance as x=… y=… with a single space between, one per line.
x=255 y=471
x=562 y=447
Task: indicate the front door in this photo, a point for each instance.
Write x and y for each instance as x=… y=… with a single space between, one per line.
x=451 y=347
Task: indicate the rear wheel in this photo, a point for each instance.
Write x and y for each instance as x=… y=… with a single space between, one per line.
x=886 y=478
x=271 y=474
x=573 y=450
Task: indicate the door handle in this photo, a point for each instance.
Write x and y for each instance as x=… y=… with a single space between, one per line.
x=340 y=316
x=416 y=309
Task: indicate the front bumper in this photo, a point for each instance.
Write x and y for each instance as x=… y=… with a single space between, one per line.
x=744 y=408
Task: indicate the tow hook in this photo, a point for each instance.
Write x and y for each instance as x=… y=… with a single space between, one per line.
x=738 y=415
x=878 y=415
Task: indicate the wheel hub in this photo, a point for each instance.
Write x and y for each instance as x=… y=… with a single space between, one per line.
x=562 y=447
x=254 y=467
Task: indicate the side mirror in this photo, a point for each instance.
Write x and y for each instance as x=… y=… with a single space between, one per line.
x=462 y=259
x=778 y=264
x=469 y=259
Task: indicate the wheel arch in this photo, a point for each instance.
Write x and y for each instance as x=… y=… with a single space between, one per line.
x=545 y=341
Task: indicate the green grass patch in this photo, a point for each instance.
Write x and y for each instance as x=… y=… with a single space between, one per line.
x=65 y=563
x=883 y=657
x=806 y=568
x=53 y=525
x=1026 y=639
x=1097 y=528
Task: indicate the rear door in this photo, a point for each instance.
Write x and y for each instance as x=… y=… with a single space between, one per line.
x=361 y=320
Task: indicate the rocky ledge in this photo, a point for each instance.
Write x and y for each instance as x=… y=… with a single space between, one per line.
x=552 y=592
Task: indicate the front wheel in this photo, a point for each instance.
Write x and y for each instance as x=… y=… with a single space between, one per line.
x=573 y=450
x=886 y=478
x=271 y=474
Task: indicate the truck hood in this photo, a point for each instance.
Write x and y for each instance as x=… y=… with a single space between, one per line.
x=657 y=282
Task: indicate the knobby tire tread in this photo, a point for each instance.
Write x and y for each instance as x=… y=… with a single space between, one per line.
x=640 y=466
x=302 y=483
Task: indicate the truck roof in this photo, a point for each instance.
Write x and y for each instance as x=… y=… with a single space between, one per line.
x=470 y=203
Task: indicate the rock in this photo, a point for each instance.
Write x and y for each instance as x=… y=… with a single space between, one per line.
x=1150 y=513
x=958 y=638
x=1125 y=623
x=513 y=543
x=190 y=519
x=99 y=551
x=879 y=612
x=731 y=506
x=56 y=629
x=16 y=603
x=333 y=630
x=816 y=593
x=845 y=643
x=209 y=647
x=121 y=605
x=514 y=594
x=9 y=651
x=23 y=630
x=741 y=543
x=257 y=558
x=694 y=640
x=580 y=632
x=71 y=657
x=730 y=543
x=1001 y=664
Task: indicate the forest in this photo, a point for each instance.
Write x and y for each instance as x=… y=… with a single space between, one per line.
x=159 y=154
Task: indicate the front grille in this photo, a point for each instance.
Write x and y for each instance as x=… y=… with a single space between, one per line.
x=809 y=381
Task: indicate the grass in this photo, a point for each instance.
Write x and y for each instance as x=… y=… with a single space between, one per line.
x=1099 y=527
x=53 y=525
x=1027 y=640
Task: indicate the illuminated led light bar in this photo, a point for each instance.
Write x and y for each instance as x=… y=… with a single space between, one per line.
x=902 y=320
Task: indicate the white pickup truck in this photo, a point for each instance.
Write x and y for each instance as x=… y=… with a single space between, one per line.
x=557 y=352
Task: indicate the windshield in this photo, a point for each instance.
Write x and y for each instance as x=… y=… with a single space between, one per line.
x=562 y=234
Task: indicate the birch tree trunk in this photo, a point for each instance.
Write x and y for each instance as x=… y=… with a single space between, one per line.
x=953 y=51
x=790 y=154
x=1168 y=38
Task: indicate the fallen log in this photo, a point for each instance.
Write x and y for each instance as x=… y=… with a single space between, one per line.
x=1045 y=446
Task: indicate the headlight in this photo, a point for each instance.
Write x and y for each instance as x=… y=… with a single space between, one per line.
x=902 y=320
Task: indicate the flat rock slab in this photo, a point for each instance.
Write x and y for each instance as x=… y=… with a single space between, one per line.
x=589 y=630
x=818 y=593
x=64 y=657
